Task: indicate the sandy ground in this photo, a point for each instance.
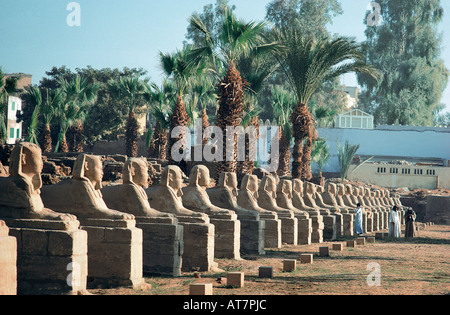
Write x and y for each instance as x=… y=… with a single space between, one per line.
x=419 y=266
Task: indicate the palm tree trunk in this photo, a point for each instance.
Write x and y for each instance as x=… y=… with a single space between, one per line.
x=205 y=124
x=46 y=140
x=179 y=118
x=231 y=106
x=75 y=137
x=284 y=156
x=63 y=147
x=132 y=135
x=302 y=126
x=158 y=145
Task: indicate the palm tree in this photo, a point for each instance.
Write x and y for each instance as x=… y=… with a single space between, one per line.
x=158 y=106
x=177 y=67
x=49 y=108
x=131 y=90
x=77 y=98
x=307 y=64
x=203 y=95
x=320 y=154
x=346 y=153
x=236 y=38
x=256 y=70
x=36 y=98
x=283 y=105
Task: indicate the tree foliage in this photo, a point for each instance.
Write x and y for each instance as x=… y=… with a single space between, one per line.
x=405 y=47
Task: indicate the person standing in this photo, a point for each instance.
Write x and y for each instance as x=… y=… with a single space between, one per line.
x=410 y=228
x=394 y=223
x=358 y=219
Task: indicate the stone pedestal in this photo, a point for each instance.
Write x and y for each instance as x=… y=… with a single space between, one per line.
x=235 y=279
x=289 y=265
x=348 y=227
x=162 y=247
x=272 y=231
x=8 y=262
x=227 y=238
x=49 y=261
x=289 y=230
x=198 y=253
x=265 y=272
x=252 y=237
x=304 y=231
x=324 y=251
x=306 y=258
x=329 y=229
x=201 y=289
x=115 y=253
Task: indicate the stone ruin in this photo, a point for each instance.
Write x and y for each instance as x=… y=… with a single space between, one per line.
x=109 y=236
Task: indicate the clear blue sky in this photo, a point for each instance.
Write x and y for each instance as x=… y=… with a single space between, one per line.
x=34 y=34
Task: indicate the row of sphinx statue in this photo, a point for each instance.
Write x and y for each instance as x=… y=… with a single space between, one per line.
x=225 y=219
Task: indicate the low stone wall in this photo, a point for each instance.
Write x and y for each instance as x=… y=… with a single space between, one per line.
x=438 y=209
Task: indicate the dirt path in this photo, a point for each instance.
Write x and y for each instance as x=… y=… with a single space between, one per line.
x=420 y=266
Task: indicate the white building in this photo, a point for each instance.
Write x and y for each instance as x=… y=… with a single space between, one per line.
x=13 y=128
x=355 y=119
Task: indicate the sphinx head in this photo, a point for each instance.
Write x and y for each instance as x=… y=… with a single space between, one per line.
x=135 y=171
x=89 y=167
x=250 y=184
x=199 y=176
x=229 y=180
x=26 y=162
x=171 y=177
x=285 y=188
x=297 y=186
x=269 y=185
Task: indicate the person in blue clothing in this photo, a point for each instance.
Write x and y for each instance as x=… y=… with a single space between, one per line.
x=358 y=219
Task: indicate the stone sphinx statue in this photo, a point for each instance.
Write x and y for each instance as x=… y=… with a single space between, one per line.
x=224 y=195
x=131 y=197
x=267 y=194
x=284 y=200
x=196 y=198
x=347 y=197
x=198 y=232
x=310 y=195
x=316 y=219
x=162 y=236
x=20 y=193
x=81 y=195
x=37 y=229
x=247 y=199
x=227 y=226
x=167 y=196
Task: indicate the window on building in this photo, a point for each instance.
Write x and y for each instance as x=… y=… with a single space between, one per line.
x=18 y=134
x=11 y=133
x=13 y=106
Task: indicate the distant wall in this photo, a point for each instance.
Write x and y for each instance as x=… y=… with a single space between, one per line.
x=395 y=141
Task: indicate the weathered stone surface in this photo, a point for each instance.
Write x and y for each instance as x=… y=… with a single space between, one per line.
x=247 y=199
x=235 y=279
x=201 y=289
x=162 y=235
x=48 y=242
x=227 y=226
x=8 y=262
x=267 y=200
x=198 y=232
x=265 y=272
x=224 y=195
